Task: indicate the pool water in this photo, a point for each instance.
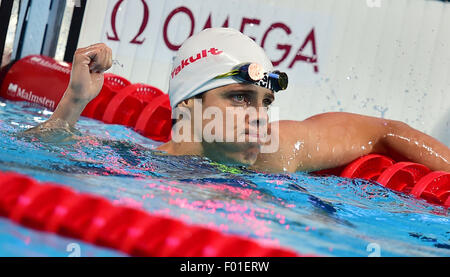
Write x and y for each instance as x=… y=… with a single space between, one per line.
x=327 y=216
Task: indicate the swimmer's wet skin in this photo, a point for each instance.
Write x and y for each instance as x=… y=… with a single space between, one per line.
x=322 y=141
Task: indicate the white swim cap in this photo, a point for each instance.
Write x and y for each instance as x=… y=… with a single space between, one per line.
x=206 y=55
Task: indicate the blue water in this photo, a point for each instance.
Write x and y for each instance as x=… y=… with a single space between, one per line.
x=326 y=216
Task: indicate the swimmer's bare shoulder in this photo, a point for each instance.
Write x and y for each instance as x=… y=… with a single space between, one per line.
x=86 y=81
x=335 y=139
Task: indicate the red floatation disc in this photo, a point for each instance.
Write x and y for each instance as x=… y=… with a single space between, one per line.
x=402 y=176
x=367 y=167
x=434 y=187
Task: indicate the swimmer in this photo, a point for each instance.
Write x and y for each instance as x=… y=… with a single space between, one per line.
x=220 y=70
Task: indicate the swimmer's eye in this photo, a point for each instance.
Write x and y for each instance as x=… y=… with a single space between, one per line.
x=267 y=102
x=239 y=98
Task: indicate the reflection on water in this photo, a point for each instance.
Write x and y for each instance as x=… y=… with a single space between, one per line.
x=310 y=214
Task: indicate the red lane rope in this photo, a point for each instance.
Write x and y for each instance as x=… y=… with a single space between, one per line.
x=406 y=177
x=55 y=208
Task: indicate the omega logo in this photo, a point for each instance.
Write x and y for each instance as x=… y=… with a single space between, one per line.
x=135 y=40
x=287 y=55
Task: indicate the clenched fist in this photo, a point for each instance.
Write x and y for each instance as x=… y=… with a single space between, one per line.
x=86 y=81
x=88 y=66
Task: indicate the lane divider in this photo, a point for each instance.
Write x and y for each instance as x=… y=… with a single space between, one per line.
x=55 y=208
x=406 y=177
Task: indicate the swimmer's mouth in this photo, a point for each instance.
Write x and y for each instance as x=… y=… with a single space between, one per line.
x=254 y=134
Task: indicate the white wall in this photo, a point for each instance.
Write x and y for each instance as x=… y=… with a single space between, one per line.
x=390 y=60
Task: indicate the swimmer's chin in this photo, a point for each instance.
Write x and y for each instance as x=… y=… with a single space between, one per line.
x=247 y=157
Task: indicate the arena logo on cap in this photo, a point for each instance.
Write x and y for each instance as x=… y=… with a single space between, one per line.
x=194 y=58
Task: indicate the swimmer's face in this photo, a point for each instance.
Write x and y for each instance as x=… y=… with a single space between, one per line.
x=234 y=138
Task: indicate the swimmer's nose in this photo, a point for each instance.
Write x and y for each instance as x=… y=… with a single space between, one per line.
x=260 y=119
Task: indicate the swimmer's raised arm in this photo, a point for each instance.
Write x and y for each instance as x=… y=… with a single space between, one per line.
x=86 y=81
x=335 y=139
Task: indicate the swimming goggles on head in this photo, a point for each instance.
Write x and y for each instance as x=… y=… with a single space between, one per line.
x=254 y=73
